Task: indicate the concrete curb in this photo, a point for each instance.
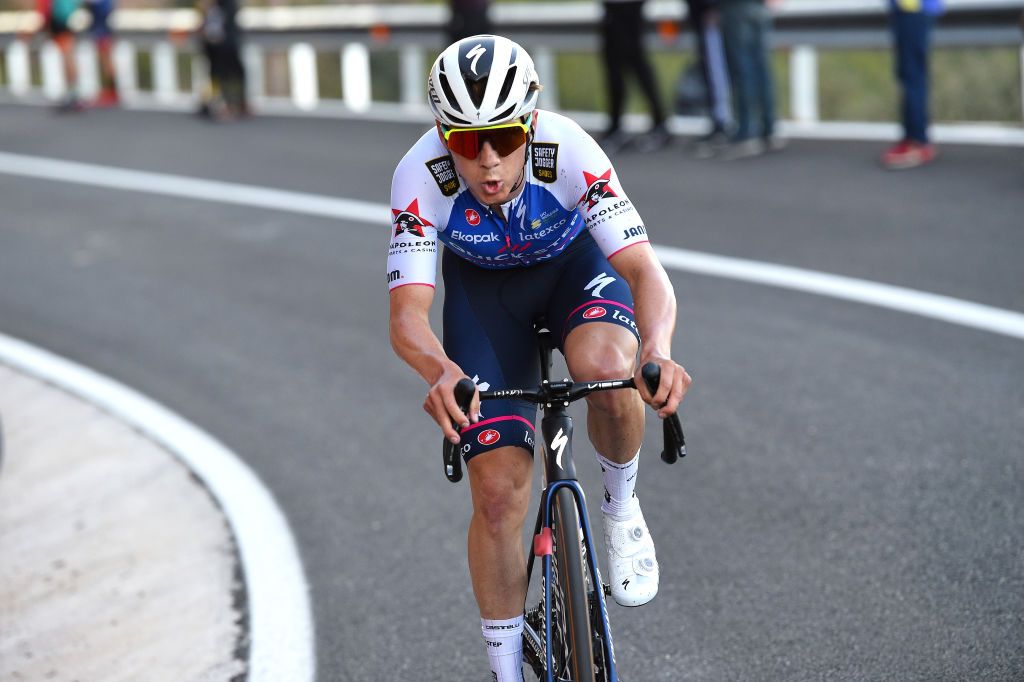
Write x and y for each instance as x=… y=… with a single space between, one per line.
x=117 y=562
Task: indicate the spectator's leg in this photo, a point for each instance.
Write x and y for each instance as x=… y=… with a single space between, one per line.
x=914 y=57
x=737 y=51
x=611 y=34
x=633 y=31
x=717 y=75
x=761 y=52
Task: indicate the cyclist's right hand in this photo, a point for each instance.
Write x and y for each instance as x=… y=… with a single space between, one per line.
x=442 y=407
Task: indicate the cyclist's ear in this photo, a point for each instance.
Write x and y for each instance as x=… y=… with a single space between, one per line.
x=440 y=135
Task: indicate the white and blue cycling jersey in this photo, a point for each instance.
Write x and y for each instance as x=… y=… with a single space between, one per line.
x=571 y=186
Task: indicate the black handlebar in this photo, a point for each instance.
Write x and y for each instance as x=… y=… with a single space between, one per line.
x=672 y=430
x=464 y=391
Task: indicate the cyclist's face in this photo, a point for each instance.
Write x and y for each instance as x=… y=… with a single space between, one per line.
x=491 y=177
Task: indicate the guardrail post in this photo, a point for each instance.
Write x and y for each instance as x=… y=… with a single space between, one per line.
x=124 y=67
x=411 y=75
x=544 y=60
x=252 y=57
x=302 y=74
x=803 y=77
x=52 y=70
x=355 y=77
x=165 y=72
x=88 y=68
x=19 y=77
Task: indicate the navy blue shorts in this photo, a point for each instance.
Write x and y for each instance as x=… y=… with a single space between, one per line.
x=488 y=328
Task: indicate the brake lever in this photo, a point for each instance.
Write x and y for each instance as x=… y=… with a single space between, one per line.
x=671 y=427
x=464 y=391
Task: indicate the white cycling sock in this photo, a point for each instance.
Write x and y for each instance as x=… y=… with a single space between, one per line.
x=504 y=639
x=619 y=480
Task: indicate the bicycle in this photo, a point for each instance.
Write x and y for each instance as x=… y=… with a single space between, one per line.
x=567 y=636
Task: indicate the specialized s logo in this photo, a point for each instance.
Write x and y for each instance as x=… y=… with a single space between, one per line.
x=598 y=188
x=475 y=54
x=558 y=444
x=408 y=220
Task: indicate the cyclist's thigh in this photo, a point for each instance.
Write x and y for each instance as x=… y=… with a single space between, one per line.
x=495 y=348
x=589 y=291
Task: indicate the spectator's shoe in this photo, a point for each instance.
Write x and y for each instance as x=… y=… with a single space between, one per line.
x=712 y=144
x=107 y=99
x=69 y=105
x=615 y=141
x=632 y=565
x=908 y=154
x=656 y=138
x=744 y=149
x=774 y=143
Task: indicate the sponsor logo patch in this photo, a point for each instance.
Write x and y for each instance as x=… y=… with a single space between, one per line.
x=408 y=221
x=594 y=312
x=472 y=217
x=598 y=188
x=443 y=171
x=488 y=437
x=545 y=161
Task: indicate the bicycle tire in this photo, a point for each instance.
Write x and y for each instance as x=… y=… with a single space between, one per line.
x=570 y=581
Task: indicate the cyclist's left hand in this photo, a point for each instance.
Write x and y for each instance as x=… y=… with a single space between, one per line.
x=675 y=381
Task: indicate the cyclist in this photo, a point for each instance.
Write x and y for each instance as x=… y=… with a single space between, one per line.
x=534 y=222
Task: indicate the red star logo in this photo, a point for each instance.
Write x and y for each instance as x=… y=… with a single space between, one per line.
x=598 y=187
x=409 y=220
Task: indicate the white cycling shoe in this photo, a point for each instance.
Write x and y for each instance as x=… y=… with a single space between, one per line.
x=632 y=565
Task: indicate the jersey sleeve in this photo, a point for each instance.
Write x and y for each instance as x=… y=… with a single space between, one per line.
x=592 y=183
x=412 y=252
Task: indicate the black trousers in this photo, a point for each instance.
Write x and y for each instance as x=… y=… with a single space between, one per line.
x=622 y=34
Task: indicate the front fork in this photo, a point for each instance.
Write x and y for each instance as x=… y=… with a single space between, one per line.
x=560 y=472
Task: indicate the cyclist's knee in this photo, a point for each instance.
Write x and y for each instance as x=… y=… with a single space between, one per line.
x=500 y=481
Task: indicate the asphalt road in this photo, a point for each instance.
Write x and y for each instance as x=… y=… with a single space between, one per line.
x=852 y=507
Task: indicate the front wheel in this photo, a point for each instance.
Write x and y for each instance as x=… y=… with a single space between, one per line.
x=577 y=651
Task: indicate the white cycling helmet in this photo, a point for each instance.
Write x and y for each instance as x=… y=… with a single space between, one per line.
x=480 y=81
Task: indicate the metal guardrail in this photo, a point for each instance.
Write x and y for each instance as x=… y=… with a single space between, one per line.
x=359 y=34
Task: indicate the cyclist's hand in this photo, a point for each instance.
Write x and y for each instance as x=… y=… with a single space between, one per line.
x=675 y=381
x=442 y=407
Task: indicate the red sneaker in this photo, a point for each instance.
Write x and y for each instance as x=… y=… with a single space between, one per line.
x=908 y=154
x=106 y=99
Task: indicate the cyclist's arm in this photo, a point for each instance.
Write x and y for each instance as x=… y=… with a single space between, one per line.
x=415 y=342
x=655 y=312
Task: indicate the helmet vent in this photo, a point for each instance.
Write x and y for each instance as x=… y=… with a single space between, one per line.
x=504 y=114
x=506 y=87
x=448 y=93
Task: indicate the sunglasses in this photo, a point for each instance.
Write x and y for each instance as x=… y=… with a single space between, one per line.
x=505 y=138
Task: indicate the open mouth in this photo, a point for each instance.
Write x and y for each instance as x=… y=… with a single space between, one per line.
x=491 y=186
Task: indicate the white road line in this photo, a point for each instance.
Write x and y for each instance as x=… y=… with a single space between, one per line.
x=945 y=308
x=281 y=643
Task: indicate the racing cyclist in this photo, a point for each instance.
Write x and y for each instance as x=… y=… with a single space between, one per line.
x=535 y=223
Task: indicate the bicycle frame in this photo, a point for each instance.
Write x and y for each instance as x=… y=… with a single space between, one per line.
x=560 y=473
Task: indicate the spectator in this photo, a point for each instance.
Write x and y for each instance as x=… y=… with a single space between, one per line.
x=746 y=25
x=221 y=38
x=911 y=27
x=622 y=36
x=469 y=18
x=704 y=19
x=56 y=15
x=104 y=39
